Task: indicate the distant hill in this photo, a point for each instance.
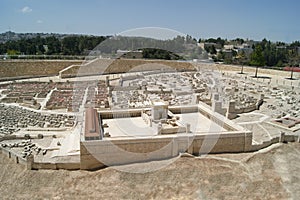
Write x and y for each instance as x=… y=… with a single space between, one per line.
x=28 y=45
x=12 y=36
x=152 y=53
x=16 y=45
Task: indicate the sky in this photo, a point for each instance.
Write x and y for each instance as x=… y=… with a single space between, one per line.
x=275 y=20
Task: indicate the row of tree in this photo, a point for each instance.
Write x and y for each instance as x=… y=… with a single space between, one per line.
x=266 y=53
x=108 y=46
x=69 y=45
x=150 y=53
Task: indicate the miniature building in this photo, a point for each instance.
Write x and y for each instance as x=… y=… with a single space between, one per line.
x=93 y=127
x=288 y=122
x=159 y=110
x=217 y=105
x=168 y=137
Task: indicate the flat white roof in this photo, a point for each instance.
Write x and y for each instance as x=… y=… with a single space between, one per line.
x=200 y=123
x=136 y=126
x=129 y=127
x=159 y=103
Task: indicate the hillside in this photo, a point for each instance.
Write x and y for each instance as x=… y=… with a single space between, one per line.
x=32 y=68
x=107 y=66
x=269 y=174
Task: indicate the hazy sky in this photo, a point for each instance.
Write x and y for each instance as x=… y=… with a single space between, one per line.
x=277 y=20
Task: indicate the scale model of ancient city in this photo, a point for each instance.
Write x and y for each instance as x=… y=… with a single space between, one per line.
x=150 y=110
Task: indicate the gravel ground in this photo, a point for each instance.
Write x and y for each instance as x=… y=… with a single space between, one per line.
x=268 y=174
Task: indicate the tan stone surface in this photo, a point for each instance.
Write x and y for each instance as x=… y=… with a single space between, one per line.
x=109 y=66
x=19 y=68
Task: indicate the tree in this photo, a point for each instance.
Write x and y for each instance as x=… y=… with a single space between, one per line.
x=211 y=49
x=242 y=60
x=220 y=56
x=220 y=41
x=12 y=52
x=257 y=58
x=152 y=53
x=239 y=41
x=293 y=59
x=295 y=44
x=54 y=45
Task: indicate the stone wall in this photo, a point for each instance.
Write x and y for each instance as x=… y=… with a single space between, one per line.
x=101 y=153
x=110 y=114
x=13 y=156
x=97 y=154
x=233 y=111
x=68 y=166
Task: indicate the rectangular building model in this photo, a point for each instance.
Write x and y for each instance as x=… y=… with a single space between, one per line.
x=209 y=132
x=93 y=126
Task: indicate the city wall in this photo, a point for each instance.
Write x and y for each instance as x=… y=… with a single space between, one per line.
x=101 y=153
x=30 y=164
x=68 y=166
